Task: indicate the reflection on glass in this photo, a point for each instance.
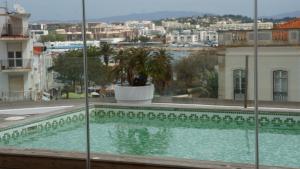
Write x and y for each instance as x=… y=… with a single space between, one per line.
x=140 y=140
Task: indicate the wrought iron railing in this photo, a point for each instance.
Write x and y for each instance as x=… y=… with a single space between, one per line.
x=17 y=96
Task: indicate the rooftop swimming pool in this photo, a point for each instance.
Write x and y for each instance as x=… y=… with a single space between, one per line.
x=189 y=133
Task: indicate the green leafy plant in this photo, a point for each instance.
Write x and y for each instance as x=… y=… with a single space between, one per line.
x=197 y=74
x=137 y=66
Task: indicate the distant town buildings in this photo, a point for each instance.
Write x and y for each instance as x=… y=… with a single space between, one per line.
x=38 y=30
x=60 y=47
x=173 y=25
x=182 y=38
x=167 y=31
x=240 y=26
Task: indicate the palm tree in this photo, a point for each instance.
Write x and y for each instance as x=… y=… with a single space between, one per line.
x=160 y=69
x=137 y=64
x=132 y=63
x=106 y=51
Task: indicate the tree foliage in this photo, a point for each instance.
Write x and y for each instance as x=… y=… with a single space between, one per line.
x=69 y=67
x=197 y=74
x=106 y=51
x=52 y=37
x=136 y=65
x=132 y=66
x=161 y=70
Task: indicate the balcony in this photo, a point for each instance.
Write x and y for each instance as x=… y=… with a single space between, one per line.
x=17 y=96
x=15 y=65
x=14 y=33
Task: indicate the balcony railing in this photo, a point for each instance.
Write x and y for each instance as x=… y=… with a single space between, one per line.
x=17 y=96
x=15 y=63
x=14 y=32
x=265 y=38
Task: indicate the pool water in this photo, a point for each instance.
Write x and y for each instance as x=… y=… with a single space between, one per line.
x=194 y=138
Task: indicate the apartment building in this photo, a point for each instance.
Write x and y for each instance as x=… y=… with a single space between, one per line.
x=73 y=35
x=45 y=80
x=38 y=30
x=182 y=38
x=173 y=25
x=16 y=74
x=103 y=30
x=207 y=35
x=278 y=64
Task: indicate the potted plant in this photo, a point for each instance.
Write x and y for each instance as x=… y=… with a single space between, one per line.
x=136 y=71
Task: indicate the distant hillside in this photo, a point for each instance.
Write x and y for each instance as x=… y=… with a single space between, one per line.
x=286 y=15
x=135 y=16
x=149 y=16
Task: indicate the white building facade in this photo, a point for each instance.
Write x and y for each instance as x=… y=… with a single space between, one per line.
x=278 y=66
x=205 y=36
x=16 y=75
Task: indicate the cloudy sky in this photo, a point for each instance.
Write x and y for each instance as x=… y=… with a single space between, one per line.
x=70 y=9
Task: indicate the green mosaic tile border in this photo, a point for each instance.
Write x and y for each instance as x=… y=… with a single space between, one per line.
x=52 y=123
x=43 y=119
x=238 y=118
x=218 y=110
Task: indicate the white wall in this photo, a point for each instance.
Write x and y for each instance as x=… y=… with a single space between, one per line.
x=27 y=49
x=3 y=50
x=270 y=59
x=3 y=83
x=27 y=81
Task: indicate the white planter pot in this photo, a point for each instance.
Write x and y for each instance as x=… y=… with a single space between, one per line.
x=134 y=94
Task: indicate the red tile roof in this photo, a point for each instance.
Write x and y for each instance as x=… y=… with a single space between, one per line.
x=292 y=24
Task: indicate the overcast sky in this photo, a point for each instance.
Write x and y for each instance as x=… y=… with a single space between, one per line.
x=70 y=9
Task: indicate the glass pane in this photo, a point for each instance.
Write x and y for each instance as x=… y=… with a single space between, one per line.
x=11 y=54
x=19 y=63
x=41 y=91
x=279 y=132
x=18 y=54
x=11 y=62
x=194 y=66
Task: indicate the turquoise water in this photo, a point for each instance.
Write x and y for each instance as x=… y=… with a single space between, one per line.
x=202 y=140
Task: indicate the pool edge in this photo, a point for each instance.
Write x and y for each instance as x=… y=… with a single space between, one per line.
x=29 y=158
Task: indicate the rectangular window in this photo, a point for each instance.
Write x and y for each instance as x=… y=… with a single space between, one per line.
x=15 y=59
x=280 y=85
x=293 y=35
x=11 y=55
x=239 y=80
